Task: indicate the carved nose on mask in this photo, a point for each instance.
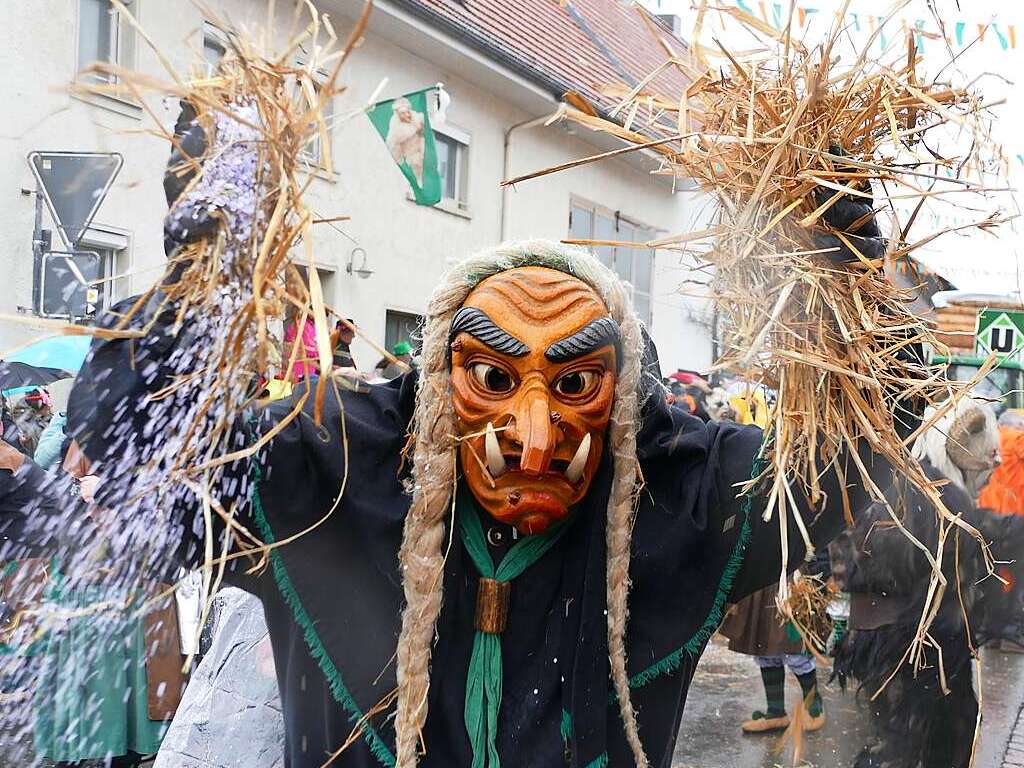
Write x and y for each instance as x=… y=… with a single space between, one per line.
x=536 y=433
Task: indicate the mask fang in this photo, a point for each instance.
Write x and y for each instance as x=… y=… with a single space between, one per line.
x=495 y=461
x=574 y=471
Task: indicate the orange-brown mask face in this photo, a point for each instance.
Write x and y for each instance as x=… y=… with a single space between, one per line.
x=533 y=372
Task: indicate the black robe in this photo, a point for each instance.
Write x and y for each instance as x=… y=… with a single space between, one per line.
x=924 y=717
x=333 y=597
x=28 y=494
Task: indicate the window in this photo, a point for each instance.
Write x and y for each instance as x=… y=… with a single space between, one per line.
x=604 y=229
x=326 y=281
x=114 y=267
x=634 y=265
x=453 y=166
x=402 y=326
x=214 y=47
x=104 y=36
x=113 y=285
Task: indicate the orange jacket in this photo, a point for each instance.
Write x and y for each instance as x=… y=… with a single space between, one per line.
x=1005 y=490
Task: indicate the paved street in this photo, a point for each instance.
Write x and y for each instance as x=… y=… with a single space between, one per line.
x=727 y=689
x=1014 y=755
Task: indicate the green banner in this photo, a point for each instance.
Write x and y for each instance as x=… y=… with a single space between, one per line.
x=404 y=124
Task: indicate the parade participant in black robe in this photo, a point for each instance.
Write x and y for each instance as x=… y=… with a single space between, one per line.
x=535 y=418
x=924 y=711
x=917 y=722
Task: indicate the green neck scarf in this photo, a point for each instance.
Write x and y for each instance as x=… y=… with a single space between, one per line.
x=483 y=682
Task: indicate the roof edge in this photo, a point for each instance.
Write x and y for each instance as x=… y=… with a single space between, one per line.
x=483 y=45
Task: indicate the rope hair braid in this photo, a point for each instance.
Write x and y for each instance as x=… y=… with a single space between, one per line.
x=433 y=477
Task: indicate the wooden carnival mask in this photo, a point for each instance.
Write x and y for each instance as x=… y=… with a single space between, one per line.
x=534 y=356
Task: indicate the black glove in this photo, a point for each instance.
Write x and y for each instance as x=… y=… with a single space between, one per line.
x=191 y=145
x=182 y=227
x=854 y=217
x=909 y=411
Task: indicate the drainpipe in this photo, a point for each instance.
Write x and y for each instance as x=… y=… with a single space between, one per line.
x=506 y=192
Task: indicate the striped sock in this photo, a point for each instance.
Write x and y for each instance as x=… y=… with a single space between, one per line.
x=774 y=679
x=809 y=686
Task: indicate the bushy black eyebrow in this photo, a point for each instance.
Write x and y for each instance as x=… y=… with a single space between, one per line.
x=477 y=324
x=592 y=336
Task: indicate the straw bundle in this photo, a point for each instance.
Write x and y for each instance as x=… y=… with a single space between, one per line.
x=242 y=213
x=806 y=607
x=782 y=139
x=239 y=172
x=259 y=113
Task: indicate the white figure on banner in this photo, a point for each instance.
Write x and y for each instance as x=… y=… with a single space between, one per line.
x=405 y=137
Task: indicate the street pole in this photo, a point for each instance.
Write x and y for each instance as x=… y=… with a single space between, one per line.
x=41 y=241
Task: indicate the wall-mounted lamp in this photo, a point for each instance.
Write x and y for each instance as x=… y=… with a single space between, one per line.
x=358 y=254
x=437 y=105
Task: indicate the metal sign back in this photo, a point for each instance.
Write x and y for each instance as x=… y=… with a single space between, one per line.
x=70 y=284
x=74 y=184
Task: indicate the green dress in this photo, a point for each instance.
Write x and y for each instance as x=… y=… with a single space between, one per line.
x=91 y=696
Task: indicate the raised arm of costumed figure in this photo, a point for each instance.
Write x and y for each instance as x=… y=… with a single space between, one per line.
x=165 y=403
x=747 y=526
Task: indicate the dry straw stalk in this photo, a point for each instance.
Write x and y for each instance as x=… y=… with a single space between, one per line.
x=776 y=137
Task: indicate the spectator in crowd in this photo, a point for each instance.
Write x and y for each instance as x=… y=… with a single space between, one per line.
x=109 y=679
x=388 y=368
x=341 y=339
x=52 y=444
x=307 y=356
x=25 y=416
x=10 y=433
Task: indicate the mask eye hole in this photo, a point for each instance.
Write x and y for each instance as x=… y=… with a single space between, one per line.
x=491 y=378
x=577 y=384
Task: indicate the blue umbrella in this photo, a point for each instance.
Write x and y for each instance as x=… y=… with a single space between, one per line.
x=44 y=362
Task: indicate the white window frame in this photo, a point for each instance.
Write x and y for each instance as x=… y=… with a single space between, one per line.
x=211 y=32
x=122 y=41
x=618 y=218
x=463 y=141
x=116 y=243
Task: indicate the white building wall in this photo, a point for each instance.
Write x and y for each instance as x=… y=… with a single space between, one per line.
x=39 y=58
x=407 y=245
x=683 y=318
x=540 y=208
